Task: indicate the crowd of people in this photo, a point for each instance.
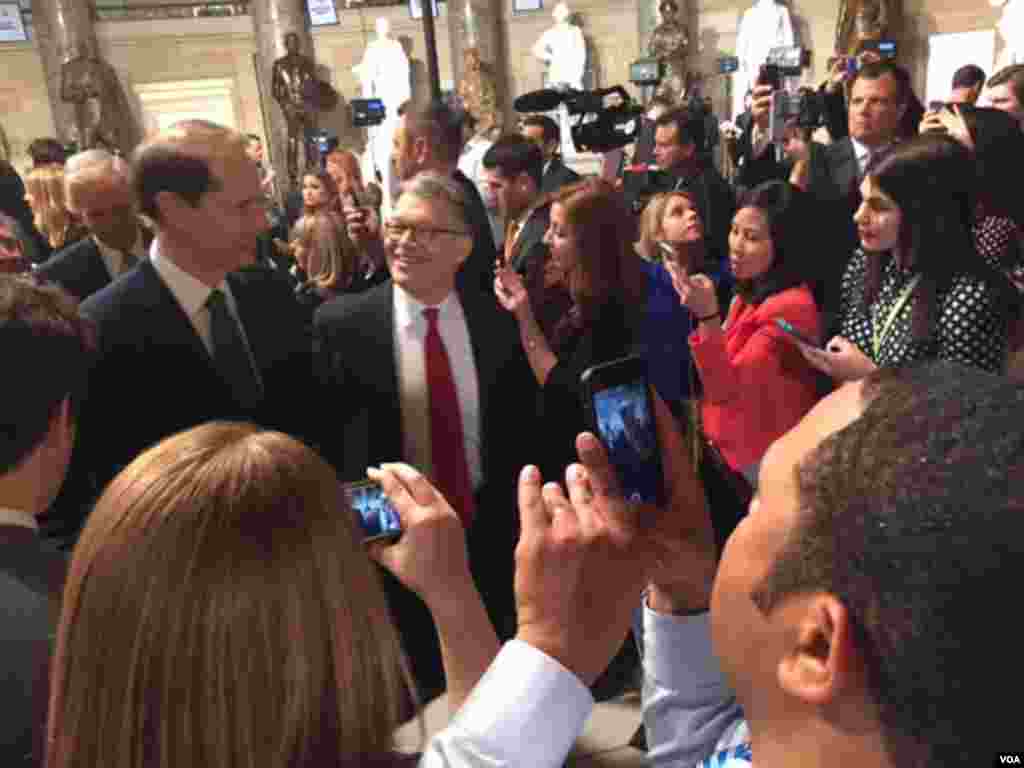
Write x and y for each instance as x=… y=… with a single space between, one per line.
x=829 y=334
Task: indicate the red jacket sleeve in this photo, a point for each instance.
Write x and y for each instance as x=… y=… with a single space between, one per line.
x=756 y=383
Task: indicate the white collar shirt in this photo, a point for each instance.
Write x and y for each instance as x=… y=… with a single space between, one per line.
x=410 y=330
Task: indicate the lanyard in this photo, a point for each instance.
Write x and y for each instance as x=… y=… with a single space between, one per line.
x=879 y=334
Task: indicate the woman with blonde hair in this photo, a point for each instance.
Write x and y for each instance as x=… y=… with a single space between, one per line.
x=44 y=192
x=672 y=237
x=326 y=259
x=220 y=611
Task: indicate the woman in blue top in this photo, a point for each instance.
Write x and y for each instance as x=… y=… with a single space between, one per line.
x=671 y=227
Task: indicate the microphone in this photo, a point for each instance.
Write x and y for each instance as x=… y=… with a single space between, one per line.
x=543 y=100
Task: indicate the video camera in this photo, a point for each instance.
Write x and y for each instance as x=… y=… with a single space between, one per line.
x=805 y=105
x=367 y=112
x=594 y=126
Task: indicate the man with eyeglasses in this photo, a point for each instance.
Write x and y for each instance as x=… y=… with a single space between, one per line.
x=433 y=375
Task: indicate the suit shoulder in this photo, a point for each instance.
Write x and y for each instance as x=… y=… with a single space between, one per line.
x=115 y=301
x=59 y=262
x=348 y=308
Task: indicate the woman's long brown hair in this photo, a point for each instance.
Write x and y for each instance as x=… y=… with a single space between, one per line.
x=220 y=611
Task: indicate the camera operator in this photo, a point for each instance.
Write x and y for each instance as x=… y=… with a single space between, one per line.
x=680 y=152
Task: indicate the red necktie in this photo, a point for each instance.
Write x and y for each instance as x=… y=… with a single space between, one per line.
x=447 y=448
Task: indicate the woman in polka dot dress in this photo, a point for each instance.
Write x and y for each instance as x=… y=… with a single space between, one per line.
x=917 y=289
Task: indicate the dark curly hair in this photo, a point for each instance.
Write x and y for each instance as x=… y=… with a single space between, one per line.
x=913 y=516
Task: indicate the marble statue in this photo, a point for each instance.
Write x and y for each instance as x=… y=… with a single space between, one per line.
x=564 y=50
x=668 y=44
x=862 y=21
x=764 y=26
x=1011 y=29
x=479 y=94
x=88 y=84
x=293 y=81
x=384 y=74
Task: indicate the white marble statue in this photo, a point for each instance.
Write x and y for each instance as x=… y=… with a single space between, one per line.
x=764 y=26
x=1011 y=29
x=564 y=49
x=384 y=74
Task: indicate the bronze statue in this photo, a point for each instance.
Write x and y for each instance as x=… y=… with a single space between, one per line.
x=479 y=94
x=862 y=21
x=668 y=44
x=87 y=83
x=293 y=82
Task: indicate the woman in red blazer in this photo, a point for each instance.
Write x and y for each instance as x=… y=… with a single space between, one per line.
x=756 y=384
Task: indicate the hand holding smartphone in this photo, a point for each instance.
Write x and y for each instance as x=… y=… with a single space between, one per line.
x=619 y=410
x=377 y=518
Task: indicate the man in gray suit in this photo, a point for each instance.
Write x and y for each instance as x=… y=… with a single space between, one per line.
x=40 y=328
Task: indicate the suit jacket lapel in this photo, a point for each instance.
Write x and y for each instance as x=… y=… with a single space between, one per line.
x=847 y=172
x=173 y=326
x=99 y=275
x=479 y=326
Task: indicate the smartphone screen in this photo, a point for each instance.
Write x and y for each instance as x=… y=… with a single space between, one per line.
x=374 y=513
x=623 y=417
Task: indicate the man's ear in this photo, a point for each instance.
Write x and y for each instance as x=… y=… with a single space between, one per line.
x=822 y=662
x=420 y=148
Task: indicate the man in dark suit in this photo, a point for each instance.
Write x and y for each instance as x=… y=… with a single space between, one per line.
x=184 y=339
x=512 y=171
x=40 y=328
x=878 y=99
x=678 y=138
x=434 y=375
x=99 y=193
x=429 y=138
x=544 y=132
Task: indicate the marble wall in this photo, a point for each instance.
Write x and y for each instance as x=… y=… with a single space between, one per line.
x=222 y=48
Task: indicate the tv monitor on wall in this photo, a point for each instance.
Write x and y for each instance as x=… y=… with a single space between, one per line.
x=322 y=13
x=12 y=26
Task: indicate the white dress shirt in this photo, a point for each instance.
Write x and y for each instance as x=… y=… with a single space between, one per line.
x=527 y=710
x=18 y=517
x=192 y=295
x=410 y=331
x=113 y=259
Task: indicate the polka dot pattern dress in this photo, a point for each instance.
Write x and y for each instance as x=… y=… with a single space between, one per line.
x=969 y=329
x=994 y=237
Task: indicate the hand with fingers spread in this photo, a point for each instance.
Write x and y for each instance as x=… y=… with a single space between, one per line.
x=583 y=561
x=579 y=574
x=430 y=559
x=696 y=293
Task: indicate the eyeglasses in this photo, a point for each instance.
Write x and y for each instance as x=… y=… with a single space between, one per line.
x=396 y=230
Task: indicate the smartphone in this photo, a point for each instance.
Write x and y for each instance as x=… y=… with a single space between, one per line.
x=936 y=106
x=769 y=74
x=788 y=328
x=377 y=518
x=620 y=411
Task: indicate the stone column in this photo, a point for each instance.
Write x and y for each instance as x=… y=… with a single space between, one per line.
x=61 y=26
x=491 y=32
x=272 y=20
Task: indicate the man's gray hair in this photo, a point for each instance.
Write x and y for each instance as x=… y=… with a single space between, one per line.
x=433 y=186
x=95 y=164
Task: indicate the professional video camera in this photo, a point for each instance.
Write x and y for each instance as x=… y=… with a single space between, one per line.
x=599 y=120
x=804 y=105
